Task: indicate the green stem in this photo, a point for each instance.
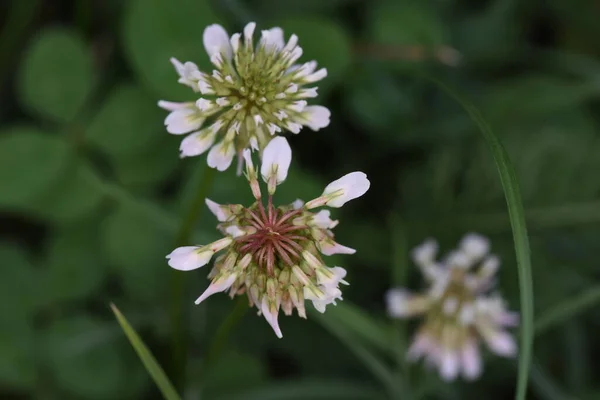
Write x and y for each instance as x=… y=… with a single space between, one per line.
x=179 y=317
x=223 y=332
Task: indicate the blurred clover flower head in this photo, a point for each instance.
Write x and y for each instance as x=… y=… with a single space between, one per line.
x=273 y=254
x=457 y=308
x=254 y=93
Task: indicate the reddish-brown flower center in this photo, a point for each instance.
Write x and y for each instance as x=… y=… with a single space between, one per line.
x=276 y=238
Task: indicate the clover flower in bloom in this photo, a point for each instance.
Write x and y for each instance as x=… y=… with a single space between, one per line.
x=254 y=93
x=273 y=254
x=457 y=308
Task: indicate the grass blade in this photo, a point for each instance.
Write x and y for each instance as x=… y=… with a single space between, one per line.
x=567 y=309
x=517 y=221
x=152 y=366
x=394 y=386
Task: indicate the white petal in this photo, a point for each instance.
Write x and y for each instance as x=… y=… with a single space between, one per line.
x=197 y=143
x=420 y=345
x=475 y=246
x=248 y=32
x=183 y=120
x=220 y=285
x=297 y=204
x=316 y=117
x=172 y=105
x=449 y=365
x=348 y=187
x=276 y=159
x=424 y=254
x=221 y=155
x=235 y=231
x=187 y=258
x=216 y=41
x=501 y=343
x=217 y=210
x=270 y=316
x=235 y=42
x=471 y=360
x=400 y=303
x=322 y=219
x=272 y=38
x=317 y=76
x=329 y=247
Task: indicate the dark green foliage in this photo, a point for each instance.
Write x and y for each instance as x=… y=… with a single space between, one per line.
x=92 y=190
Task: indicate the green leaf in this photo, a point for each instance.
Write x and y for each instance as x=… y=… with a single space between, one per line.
x=56 y=77
x=136 y=172
x=77 y=195
x=311 y=389
x=31 y=163
x=83 y=358
x=18 y=287
x=521 y=242
x=136 y=247
x=324 y=41
x=75 y=266
x=156 y=30
x=152 y=366
x=127 y=124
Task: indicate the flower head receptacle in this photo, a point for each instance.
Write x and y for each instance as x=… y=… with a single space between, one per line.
x=273 y=254
x=457 y=308
x=254 y=93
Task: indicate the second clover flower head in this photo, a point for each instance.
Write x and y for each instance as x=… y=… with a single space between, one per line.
x=273 y=254
x=457 y=307
x=255 y=92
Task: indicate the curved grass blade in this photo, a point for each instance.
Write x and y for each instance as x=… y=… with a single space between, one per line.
x=517 y=221
x=152 y=366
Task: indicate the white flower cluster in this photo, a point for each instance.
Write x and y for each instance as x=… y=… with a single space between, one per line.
x=457 y=309
x=273 y=254
x=254 y=93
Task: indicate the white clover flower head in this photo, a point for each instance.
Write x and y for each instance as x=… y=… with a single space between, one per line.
x=457 y=307
x=255 y=92
x=273 y=255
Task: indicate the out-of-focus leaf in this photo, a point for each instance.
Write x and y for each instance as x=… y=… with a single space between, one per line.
x=233 y=372
x=56 y=77
x=311 y=390
x=379 y=103
x=127 y=124
x=324 y=41
x=83 y=358
x=150 y=167
x=75 y=266
x=19 y=294
x=535 y=96
x=156 y=30
x=31 y=162
x=404 y=32
x=489 y=36
x=77 y=195
x=136 y=247
x=152 y=366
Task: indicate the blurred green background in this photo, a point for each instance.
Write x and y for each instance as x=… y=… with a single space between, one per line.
x=92 y=191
